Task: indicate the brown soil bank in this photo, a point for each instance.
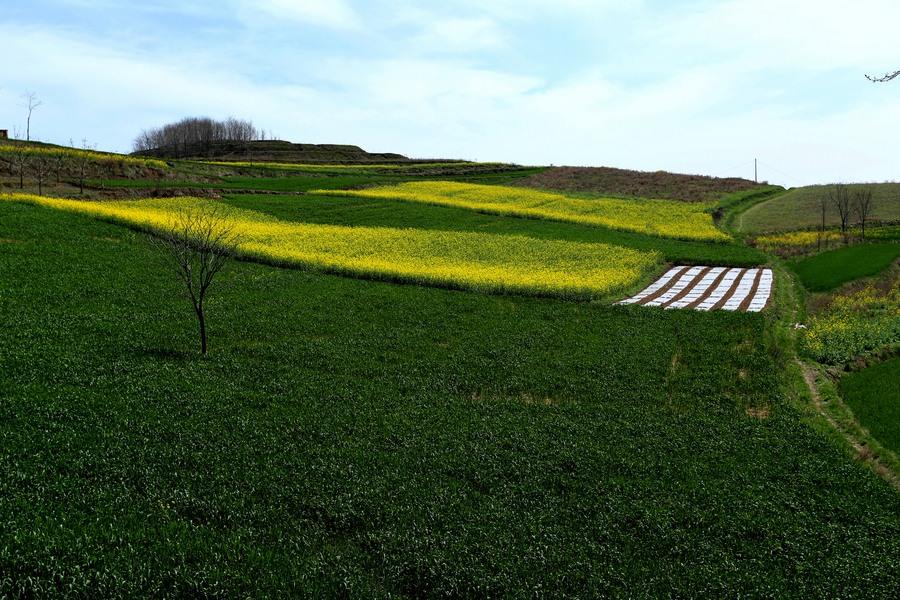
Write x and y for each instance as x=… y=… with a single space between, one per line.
x=659 y=184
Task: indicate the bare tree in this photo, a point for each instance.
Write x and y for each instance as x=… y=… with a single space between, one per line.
x=19 y=160
x=100 y=170
x=887 y=77
x=193 y=136
x=83 y=163
x=31 y=103
x=196 y=245
x=41 y=169
x=59 y=161
x=81 y=168
x=840 y=196
x=862 y=203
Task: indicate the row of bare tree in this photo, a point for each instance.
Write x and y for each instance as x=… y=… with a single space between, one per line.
x=859 y=201
x=41 y=166
x=194 y=136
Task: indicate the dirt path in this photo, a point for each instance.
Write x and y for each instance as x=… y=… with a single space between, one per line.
x=860 y=450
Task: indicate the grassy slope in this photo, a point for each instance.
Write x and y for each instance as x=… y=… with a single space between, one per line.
x=800 y=207
x=659 y=184
x=356 y=438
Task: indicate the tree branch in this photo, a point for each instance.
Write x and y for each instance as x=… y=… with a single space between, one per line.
x=887 y=77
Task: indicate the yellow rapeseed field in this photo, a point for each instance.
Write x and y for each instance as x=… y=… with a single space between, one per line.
x=663 y=218
x=854 y=324
x=470 y=261
x=798 y=239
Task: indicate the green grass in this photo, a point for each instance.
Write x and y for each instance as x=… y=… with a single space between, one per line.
x=800 y=208
x=881 y=234
x=394 y=213
x=349 y=438
x=874 y=397
x=830 y=270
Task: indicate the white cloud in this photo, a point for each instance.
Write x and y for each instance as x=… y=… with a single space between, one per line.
x=715 y=87
x=327 y=13
x=825 y=34
x=527 y=8
x=460 y=35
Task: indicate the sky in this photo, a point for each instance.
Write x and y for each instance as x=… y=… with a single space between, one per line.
x=710 y=87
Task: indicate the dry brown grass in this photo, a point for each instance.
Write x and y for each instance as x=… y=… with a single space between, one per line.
x=607 y=180
x=763 y=412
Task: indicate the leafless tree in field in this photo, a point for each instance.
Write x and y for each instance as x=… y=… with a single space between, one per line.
x=40 y=170
x=100 y=170
x=83 y=163
x=196 y=245
x=887 y=77
x=81 y=168
x=840 y=196
x=862 y=203
x=31 y=103
x=19 y=160
x=59 y=161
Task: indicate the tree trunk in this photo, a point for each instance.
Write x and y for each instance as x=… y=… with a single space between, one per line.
x=202 y=332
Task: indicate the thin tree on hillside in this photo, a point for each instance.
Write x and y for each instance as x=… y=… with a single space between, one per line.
x=196 y=245
x=81 y=168
x=19 y=160
x=100 y=170
x=862 y=204
x=58 y=162
x=31 y=103
x=40 y=169
x=842 y=199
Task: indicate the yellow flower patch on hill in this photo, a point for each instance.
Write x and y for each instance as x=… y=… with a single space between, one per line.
x=470 y=261
x=663 y=218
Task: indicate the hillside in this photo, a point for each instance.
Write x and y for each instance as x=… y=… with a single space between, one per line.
x=658 y=184
x=801 y=208
x=418 y=385
x=279 y=151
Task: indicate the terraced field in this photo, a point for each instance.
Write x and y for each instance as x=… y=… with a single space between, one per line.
x=356 y=435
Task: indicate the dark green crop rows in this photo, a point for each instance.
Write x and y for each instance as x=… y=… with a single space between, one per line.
x=833 y=269
x=874 y=396
x=348 y=438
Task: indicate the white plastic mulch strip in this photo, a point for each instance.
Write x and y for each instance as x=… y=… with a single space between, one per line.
x=763 y=292
x=676 y=289
x=656 y=285
x=697 y=291
x=708 y=288
x=716 y=295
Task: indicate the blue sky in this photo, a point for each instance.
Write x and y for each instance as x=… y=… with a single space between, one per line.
x=703 y=86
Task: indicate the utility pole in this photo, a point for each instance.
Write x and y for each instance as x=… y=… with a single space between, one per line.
x=755 y=172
